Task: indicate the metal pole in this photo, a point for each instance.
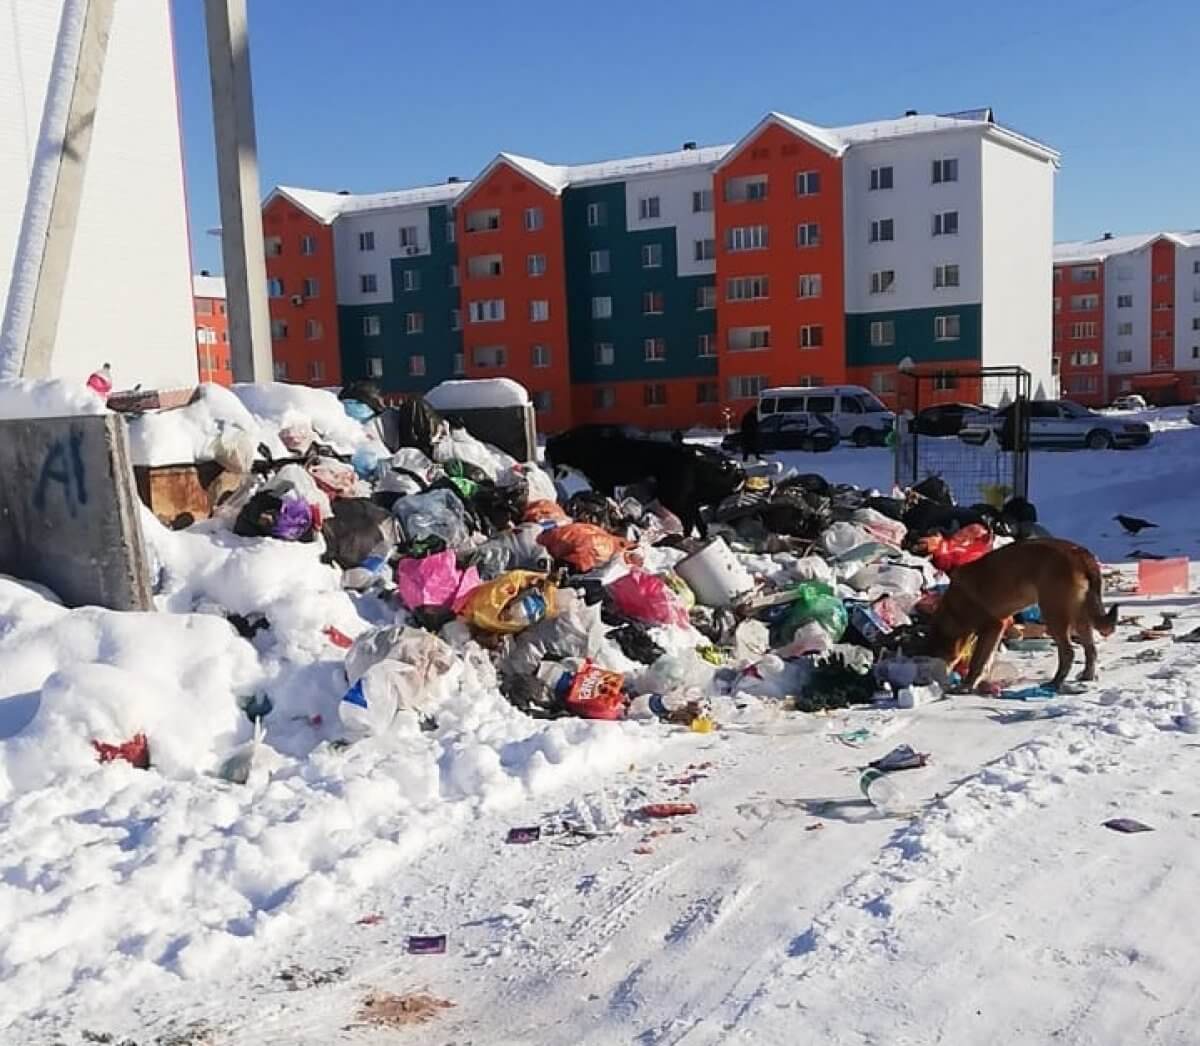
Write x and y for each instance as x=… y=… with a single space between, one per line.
x=43 y=257
x=237 y=179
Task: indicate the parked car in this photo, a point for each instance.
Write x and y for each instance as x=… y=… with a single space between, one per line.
x=1062 y=425
x=1193 y=413
x=814 y=432
x=948 y=419
x=857 y=413
x=1131 y=401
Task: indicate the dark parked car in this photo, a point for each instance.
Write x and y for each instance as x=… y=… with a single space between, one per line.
x=813 y=432
x=949 y=419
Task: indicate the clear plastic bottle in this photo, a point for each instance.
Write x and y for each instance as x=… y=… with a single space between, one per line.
x=882 y=791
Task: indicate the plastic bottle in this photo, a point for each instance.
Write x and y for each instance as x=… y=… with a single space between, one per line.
x=527 y=609
x=882 y=791
x=100 y=382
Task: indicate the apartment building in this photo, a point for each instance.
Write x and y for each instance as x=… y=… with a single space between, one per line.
x=665 y=290
x=1126 y=313
x=212 y=329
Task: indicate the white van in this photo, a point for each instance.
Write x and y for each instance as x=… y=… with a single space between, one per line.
x=857 y=412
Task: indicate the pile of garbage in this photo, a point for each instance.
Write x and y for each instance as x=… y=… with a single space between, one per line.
x=804 y=595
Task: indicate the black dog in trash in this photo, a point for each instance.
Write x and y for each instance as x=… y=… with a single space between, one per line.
x=686 y=477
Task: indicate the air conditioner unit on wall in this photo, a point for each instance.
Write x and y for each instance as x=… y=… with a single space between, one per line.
x=412 y=250
x=297 y=299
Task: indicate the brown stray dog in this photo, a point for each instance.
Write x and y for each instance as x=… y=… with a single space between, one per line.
x=1062 y=578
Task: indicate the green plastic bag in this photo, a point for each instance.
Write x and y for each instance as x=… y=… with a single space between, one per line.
x=815 y=601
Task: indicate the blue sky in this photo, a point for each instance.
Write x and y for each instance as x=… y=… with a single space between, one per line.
x=370 y=95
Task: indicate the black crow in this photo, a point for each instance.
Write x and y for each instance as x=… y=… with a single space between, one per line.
x=1133 y=525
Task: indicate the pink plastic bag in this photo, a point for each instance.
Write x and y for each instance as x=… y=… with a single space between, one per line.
x=435 y=581
x=647 y=597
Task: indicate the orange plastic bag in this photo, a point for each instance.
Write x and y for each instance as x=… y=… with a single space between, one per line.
x=583 y=546
x=966 y=545
x=545 y=512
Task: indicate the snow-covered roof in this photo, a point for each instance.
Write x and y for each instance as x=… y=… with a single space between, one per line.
x=325 y=206
x=204 y=286
x=1106 y=246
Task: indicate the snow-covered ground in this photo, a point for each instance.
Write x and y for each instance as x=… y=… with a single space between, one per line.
x=173 y=907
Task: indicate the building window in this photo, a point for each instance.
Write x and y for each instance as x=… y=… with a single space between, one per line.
x=316 y=370
x=489 y=310
x=1162 y=277
x=748 y=339
x=533 y=219
x=1196 y=352
x=648 y=208
x=808 y=183
x=367 y=283
x=1124 y=355
x=273 y=245
x=947 y=276
x=945 y=380
x=945 y=223
x=1196 y=268
x=883 y=382
x=883 y=333
x=1085 y=302
x=1057 y=304
x=1124 y=328
x=702 y=200
x=751 y=187
x=598 y=262
x=651 y=255
x=451 y=235
x=706 y=392
x=810 y=285
x=313 y=330
x=374 y=366
x=652 y=303
x=881 y=178
x=945 y=170
x=812 y=336
x=310 y=288
x=205 y=336
x=456 y=319
x=808 y=234
x=371 y=326
x=604 y=398
x=883 y=281
x=882 y=230
x=452 y=276
x=204 y=307
x=458 y=363
x=416 y=366
x=706 y=296
x=490 y=356
x=485 y=266
x=946 y=328
x=484 y=220
x=746 y=238
x=414 y=323
x=366 y=241
x=1162 y=306
x=542 y=401
x=280 y=369
x=411 y=280
x=746 y=386
x=308 y=245
x=597 y=214
x=654 y=395
x=1124 y=301
x=539 y=310
x=408 y=238
x=706 y=345
x=1085 y=359
x=654 y=350
x=601 y=307
x=274 y=287
x=746 y=288
x=603 y=354
x=539 y=356
x=1086 y=274
x=279 y=330
x=704 y=250
x=535 y=264
x=1196 y=323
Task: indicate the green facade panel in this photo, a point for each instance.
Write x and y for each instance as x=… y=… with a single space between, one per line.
x=680 y=323
x=434 y=298
x=914 y=336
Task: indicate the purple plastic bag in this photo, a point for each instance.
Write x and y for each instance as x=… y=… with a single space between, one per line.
x=294 y=520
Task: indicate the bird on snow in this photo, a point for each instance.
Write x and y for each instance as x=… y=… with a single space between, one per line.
x=1133 y=525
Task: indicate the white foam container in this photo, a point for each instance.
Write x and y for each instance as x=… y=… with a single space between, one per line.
x=714 y=574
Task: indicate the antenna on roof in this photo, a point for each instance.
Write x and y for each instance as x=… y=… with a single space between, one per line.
x=343 y=192
x=688 y=146
x=1106 y=236
x=910 y=112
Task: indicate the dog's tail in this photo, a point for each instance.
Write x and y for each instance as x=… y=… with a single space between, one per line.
x=1105 y=622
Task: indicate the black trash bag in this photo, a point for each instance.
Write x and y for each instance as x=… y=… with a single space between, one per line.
x=635 y=643
x=258 y=515
x=935 y=489
x=716 y=624
x=499 y=508
x=796 y=512
x=589 y=506
x=933 y=517
x=356 y=530
x=807 y=481
x=893 y=508
x=530 y=695
x=835 y=684
x=740 y=505
x=416 y=424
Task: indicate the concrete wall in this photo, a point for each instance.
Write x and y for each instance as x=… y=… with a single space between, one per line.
x=128 y=292
x=1187 y=308
x=1126 y=274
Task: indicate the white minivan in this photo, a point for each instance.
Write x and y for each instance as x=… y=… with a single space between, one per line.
x=857 y=412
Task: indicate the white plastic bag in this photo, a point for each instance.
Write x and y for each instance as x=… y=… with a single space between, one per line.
x=880 y=527
x=842 y=538
x=234 y=450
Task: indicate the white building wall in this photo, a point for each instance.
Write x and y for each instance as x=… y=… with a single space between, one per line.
x=1126 y=274
x=911 y=204
x=674 y=190
x=350 y=262
x=1187 y=308
x=127 y=299
x=1018 y=261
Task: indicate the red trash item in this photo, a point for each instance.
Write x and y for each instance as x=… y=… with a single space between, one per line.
x=596 y=693
x=135 y=751
x=647 y=597
x=1163 y=577
x=545 y=512
x=966 y=545
x=584 y=546
x=337 y=637
x=659 y=810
